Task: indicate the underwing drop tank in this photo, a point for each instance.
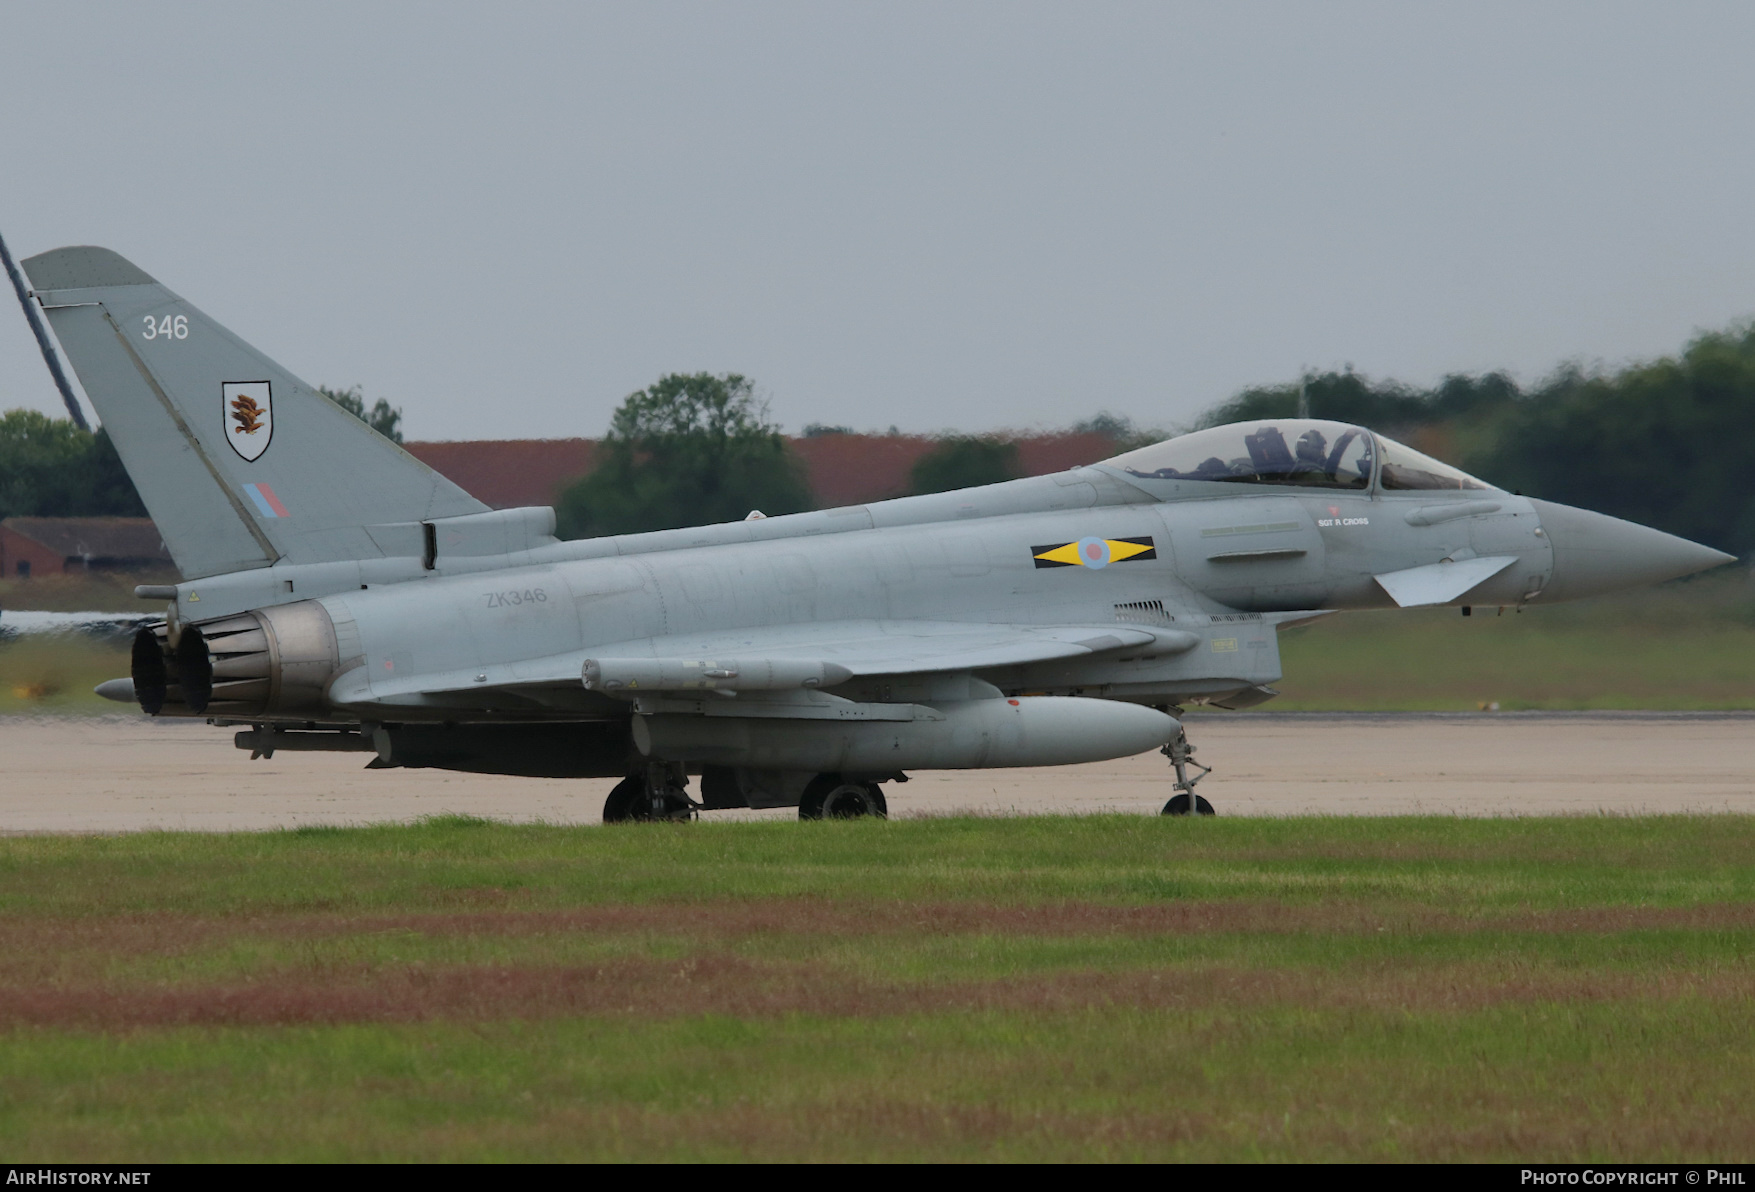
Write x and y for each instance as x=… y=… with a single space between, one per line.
x=977 y=734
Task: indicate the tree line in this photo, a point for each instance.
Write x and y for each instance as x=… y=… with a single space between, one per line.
x=698 y=448
x=51 y=468
x=1664 y=442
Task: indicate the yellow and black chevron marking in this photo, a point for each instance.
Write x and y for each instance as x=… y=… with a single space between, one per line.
x=1094 y=552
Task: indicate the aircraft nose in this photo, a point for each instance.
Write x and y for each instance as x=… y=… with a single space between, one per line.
x=1595 y=553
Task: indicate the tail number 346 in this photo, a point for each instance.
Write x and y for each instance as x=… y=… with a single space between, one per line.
x=169 y=327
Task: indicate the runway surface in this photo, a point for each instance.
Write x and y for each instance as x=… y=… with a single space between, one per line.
x=130 y=774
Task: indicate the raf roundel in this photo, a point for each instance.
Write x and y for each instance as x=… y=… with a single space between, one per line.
x=1094 y=553
x=247 y=413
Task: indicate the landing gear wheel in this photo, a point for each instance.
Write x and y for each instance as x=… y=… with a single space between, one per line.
x=1181 y=755
x=629 y=803
x=830 y=796
x=619 y=807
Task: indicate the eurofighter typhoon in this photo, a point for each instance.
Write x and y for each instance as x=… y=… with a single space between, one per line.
x=340 y=595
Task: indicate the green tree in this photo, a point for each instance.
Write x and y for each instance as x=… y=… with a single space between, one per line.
x=1666 y=443
x=1121 y=430
x=687 y=450
x=1387 y=406
x=382 y=417
x=964 y=461
x=110 y=491
x=51 y=468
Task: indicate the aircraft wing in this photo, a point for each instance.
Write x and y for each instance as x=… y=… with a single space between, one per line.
x=841 y=649
x=897 y=647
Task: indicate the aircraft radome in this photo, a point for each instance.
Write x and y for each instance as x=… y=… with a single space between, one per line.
x=340 y=595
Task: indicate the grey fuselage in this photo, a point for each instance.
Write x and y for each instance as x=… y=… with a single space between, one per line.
x=335 y=582
x=1228 y=566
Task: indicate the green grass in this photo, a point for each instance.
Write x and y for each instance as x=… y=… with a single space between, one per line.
x=452 y=862
x=85 y=592
x=1103 y=987
x=1543 y=1085
x=1687 y=646
x=54 y=673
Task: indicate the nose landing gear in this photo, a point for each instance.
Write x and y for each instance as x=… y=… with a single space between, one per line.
x=1181 y=755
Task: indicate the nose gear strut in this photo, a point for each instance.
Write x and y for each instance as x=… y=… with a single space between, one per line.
x=1181 y=755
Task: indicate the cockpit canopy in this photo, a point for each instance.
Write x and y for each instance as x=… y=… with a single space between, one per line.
x=1297 y=452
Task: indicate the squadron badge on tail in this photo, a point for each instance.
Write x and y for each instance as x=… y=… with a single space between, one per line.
x=248 y=410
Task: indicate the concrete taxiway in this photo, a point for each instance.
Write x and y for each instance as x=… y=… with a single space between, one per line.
x=131 y=774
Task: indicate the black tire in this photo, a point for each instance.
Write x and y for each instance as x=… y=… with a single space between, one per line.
x=880 y=806
x=830 y=796
x=1179 y=806
x=628 y=803
x=619 y=808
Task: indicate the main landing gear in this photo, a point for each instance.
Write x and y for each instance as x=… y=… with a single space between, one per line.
x=1181 y=755
x=657 y=793
x=830 y=796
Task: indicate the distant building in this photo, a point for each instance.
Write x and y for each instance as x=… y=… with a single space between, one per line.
x=32 y=546
x=509 y=473
x=853 y=469
x=841 y=469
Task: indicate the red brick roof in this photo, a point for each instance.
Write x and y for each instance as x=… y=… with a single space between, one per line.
x=854 y=469
x=130 y=538
x=841 y=469
x=1043 y=454
x=508 y=473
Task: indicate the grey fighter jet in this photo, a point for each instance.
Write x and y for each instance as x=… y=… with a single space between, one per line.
x=340 y=595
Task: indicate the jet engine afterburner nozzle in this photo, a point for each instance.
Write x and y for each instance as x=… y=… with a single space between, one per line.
x=149 y=675
x=273 y=661
x=177 y=678
x=1595 y=553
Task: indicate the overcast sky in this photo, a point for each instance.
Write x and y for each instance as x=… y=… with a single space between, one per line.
x=506 y=217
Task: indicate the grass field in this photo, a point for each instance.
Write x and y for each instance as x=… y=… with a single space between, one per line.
x=1105 y=987
x=54 y=673
x=85 y=592
x=1687 y=646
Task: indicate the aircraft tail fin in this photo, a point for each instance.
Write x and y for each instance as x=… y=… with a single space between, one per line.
x=240 y=463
